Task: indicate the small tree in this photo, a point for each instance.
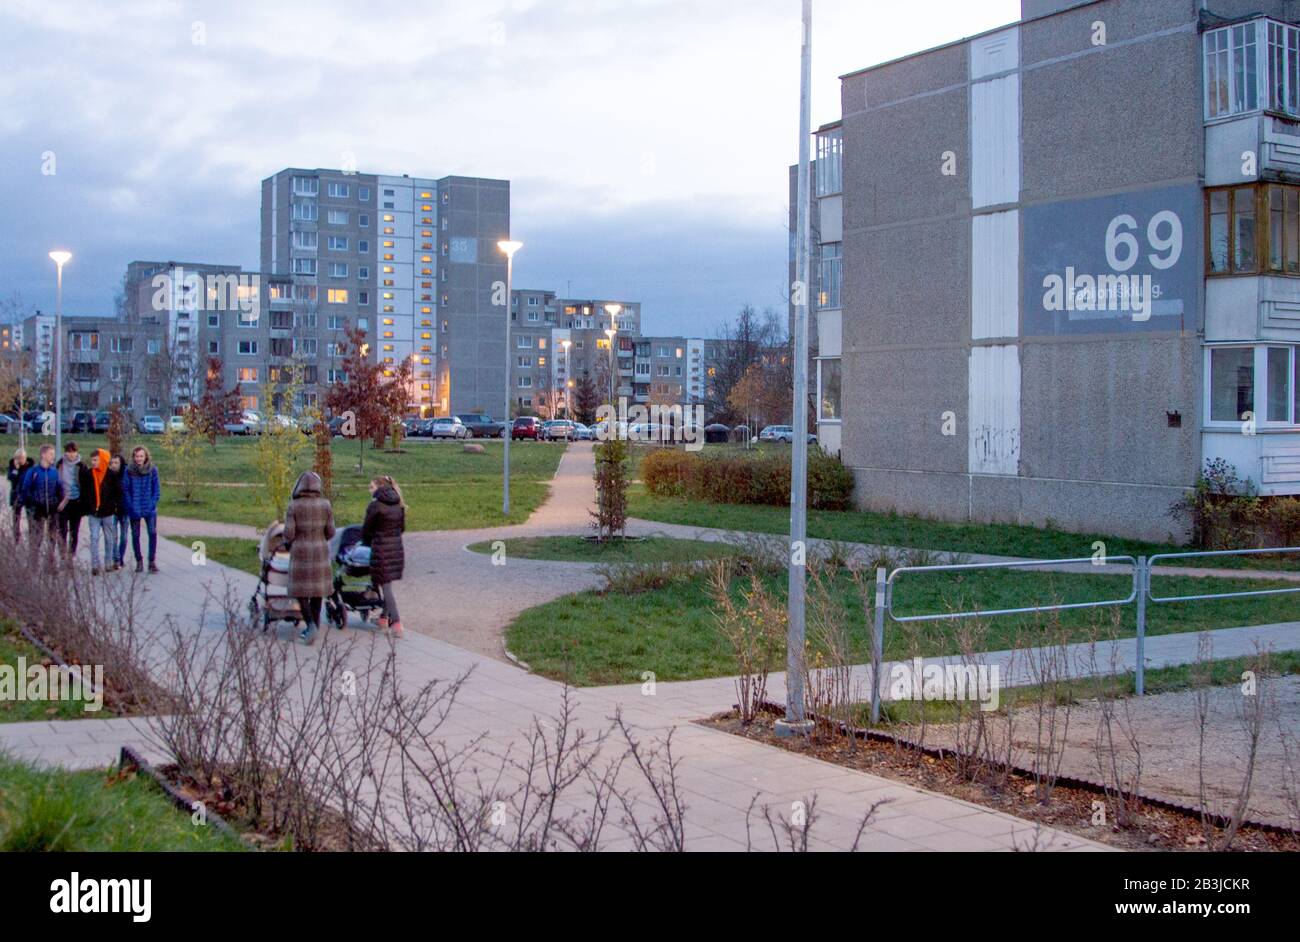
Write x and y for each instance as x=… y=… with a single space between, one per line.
x=281 y=446
x=761 y=393
x=185 y=448
x=216 y=407
x=118 y=429
x=586 y=400
x=611 y=489
x=370 y=400
x=323 y=460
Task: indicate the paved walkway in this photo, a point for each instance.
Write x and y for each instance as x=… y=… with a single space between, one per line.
x=456 y=619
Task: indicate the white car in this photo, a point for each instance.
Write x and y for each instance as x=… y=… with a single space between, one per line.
x=782 y=433
x=152 y=425
x=176 y=423
x=250 y=423
x=448 y=428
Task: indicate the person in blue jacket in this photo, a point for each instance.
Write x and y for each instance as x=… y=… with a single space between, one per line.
x=141 y=491
x=40 y=493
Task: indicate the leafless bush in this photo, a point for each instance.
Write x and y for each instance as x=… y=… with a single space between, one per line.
x=828 y=662
x=1048 y=663
x=793 y=833
x=1116 y=745
x=755 y=629
x=635 y=578
x=761 y=552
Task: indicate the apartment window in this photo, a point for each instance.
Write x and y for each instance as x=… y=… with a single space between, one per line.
x=363 y=323
x=1283 y=229
x=1232 y=239
x=830 y=162
x=832 y=263
x=248 y=374
x=337 y=296
x=363 y=273
x=305 y=347
x=338 y=269
x=363 y=194
x=643 y=369
x=248 y=348
x=1232 y=383
x=363 y=297
x=532 y=316
x=305 y=293
x=304 y=266
x=81 y=340
x=1231 y=70
x=339 y=190
x=338 y=322
x=306 y=186
x=307 y=320
x=363 y=245
x=363 y=220
x=525 y=382
x=524 y=343
x=661 y=371
x=121 y=344
x=828 y=382
x=214 y=320
x=214 y=347
x=337 y=217
x=525 y=362
x=306 y=210
x=151 y=347
x=338 y=243
x=306 y=241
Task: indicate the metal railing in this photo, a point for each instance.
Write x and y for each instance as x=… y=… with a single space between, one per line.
x=1139 y=594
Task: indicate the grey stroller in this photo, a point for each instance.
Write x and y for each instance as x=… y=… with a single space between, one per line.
x=279 y=606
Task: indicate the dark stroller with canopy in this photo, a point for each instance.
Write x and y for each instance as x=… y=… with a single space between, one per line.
x=351 y=594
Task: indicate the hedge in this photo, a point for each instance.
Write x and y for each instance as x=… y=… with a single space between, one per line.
x=745 y=479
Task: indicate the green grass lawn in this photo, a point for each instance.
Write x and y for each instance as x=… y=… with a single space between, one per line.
x=14 y=646
x=94 y=811
x=445 y=489
x=886 y=529
x=576 y=549
x=230 y=551
x=1157 y=681
x=595 y=639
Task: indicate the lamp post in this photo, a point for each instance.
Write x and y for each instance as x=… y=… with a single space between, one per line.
x=568 y=383
x=509 y=248
x=796 y=720
x=612 y=333
x=61 y=258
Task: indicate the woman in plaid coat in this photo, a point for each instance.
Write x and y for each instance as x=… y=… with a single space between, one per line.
x=308 y=526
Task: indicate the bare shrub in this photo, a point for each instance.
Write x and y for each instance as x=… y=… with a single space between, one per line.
x=828 y=662
x=793 y=833
x=1116 y=745
x=755 y=629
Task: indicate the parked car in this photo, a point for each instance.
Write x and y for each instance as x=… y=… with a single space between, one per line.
x=99 y=422
x=176 y=423
x=645 y=432
x=600 y=431
x=717 y=434
x=526 y=427
x=10 y=423
x=483 y=426
x=152 y=425
x=557 y=430
x=37 y=418
x=79 y=422
x=448 y=427
x=250 y=423
x=582 y=433
x=782 y=433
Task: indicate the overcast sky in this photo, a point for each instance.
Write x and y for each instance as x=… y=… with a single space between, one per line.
x=647 y=141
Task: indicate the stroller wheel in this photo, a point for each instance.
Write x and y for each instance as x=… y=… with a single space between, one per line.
x=338 y=615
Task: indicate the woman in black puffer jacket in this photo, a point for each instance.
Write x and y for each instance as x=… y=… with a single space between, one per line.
x=382 y=532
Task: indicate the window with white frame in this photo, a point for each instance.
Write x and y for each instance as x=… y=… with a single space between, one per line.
x=248 y=348
x=524 y=343
x=306 y=186
x=304 y=266
x=306 y=210
x=305 y=241
x=1232 y=70
x=525 y=382
x=338 y=269
x=338 y=190
x=337 y=217
x=338 y=243
x=830 y=162
x=832 y=266
x=1259 y=383
x=828 y=384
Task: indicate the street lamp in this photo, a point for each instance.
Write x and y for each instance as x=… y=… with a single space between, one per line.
x=60 y=258
x=796 y=721
x=612 y=333
x=509 y=248
x=568 y=383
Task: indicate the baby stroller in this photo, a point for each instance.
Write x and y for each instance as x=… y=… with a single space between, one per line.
x=350 y=593
x=275 y=572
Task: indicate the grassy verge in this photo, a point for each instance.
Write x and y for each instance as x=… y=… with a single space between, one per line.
x=54 y=810
x=575 y=549
x=887 y=529
x=14 y=646
x=445 y=488
x=596 y=638
x=230 y=551
x=1158 y=680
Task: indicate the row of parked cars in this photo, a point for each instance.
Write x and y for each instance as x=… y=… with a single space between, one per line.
x=83 y=422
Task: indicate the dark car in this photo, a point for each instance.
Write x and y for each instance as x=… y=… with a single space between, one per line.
x=526 y=427
x=78 y=422
x=100 y=421
x=483 y=426
x=411 y=427
x=717 y=434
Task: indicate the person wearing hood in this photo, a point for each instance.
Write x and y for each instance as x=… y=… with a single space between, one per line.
x=141 y=492
x=19 y=465
x=382 y=532
x=308 y=526
x=106 y=498
x=117 y=465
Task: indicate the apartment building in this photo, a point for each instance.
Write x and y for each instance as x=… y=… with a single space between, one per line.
x=412 y=261
x=1069 y=264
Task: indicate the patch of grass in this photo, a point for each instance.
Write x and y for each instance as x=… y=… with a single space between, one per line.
x=230 y=551
x=597 y=638
x=1159 y=680
x=14 y=646
x=575 y=549
x=45 y=810
x=889 y=529
x=445 y=488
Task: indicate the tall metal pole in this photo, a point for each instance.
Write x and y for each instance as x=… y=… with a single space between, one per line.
x=58 y=363
x=510 y=362
x=796 y=720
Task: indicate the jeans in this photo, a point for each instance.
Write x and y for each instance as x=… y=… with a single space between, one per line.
x=390 y=603
x=70 y=530
x=108 y=527
x=123 y=530
x=151 y=524
x=43 y=526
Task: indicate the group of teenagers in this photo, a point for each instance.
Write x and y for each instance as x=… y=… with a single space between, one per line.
x=54 y=496
x=112 y=496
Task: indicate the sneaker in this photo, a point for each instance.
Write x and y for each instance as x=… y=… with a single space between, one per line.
x=139 y=566
x=153 y=567
x=397 y=629
x=308 y=635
